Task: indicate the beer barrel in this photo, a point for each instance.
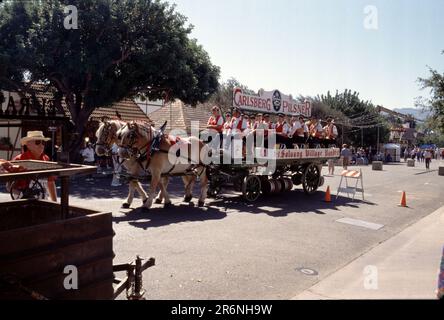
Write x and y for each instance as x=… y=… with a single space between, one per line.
x=267 y=187
x=287 y=183
x=279 y=186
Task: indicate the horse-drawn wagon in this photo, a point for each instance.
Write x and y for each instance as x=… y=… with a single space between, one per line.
x=151 y=154
x=275 y=171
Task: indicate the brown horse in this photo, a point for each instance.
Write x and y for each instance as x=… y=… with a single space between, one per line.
x=106 y=137
x=185 y=157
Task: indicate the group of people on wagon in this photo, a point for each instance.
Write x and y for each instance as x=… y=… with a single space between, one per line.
x=292 y=132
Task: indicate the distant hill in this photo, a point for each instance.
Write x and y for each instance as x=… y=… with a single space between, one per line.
x=417 y=113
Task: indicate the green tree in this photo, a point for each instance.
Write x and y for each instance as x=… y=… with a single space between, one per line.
x=122 y=48
x=223 y=97
x=360 y=119
x=435 y=104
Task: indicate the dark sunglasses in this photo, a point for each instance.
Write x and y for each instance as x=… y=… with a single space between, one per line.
x=38 y=142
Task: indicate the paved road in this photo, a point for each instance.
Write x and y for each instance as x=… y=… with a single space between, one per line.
x=231 y=250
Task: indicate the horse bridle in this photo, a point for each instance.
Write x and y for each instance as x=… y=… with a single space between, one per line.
x=132 y=136
x=106 y=144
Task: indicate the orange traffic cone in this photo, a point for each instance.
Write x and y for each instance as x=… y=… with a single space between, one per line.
x=328 y=195
x=403 y=200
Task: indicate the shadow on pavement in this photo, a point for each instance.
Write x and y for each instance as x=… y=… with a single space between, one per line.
x=281 y=205
x=178 y=213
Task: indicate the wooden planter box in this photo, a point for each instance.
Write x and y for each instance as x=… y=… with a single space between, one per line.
x=36 y=245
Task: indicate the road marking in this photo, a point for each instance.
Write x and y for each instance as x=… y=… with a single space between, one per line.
x=361 y=223
x=307 y=271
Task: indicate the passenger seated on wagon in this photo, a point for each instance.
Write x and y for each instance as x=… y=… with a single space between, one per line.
x=258 y=121
x=267 y=125
x=330 y=132
x=262 y=125
x=216 y=122
x=297 y=133
x=282 y=130
x=237 y=127
x=316 y=132
x=227 y=124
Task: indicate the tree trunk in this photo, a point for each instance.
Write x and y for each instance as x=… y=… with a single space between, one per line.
x=79 y=115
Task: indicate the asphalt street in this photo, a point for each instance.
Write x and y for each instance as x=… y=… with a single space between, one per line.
x=273 y=249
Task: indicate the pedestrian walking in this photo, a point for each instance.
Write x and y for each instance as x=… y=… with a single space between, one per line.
x=345 y=154
x=428 y=158
x=331 y=167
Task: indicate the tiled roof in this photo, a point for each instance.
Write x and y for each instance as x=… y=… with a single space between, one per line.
x=179 y=116
x=127 y=108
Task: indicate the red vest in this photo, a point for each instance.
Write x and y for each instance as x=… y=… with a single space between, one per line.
x=239 y=123
x=280 y=127
x=213 y=122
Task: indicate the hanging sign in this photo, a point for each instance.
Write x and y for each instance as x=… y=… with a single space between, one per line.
x=30 y=106
x=270 y=102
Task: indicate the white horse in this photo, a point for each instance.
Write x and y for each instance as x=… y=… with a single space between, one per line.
x=106 y=137
x=170 y=158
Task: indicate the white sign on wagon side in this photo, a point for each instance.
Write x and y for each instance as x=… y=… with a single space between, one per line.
x=290 y=154
x=270 y=102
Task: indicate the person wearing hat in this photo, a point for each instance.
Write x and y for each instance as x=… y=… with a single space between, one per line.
x=297 y=133
x=227 y=126
x=237 y=127
x=33 y=149
x=282 y=131
x=216 y=122
x=331 y=132
x=316 y=132
x=258 y=119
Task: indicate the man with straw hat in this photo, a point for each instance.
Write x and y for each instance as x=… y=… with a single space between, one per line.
x=33 y=149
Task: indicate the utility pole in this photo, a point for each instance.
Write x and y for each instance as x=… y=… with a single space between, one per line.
x=377 y=142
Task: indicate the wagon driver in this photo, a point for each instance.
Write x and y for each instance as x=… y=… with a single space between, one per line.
x=33 y=149
x=216 y=122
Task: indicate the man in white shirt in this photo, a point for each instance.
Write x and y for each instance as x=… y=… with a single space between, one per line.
x=237 y=127
x=88 y=158
x=297 y=133
x=88 y=155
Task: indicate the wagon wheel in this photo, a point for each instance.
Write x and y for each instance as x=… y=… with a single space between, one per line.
x=311 y=179
x=34 y=190
x=251 y=188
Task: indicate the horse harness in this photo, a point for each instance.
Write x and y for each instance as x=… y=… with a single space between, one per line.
x=153 y=146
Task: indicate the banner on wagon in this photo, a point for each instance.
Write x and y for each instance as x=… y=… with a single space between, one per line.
x=270 y=102
x=294 y=154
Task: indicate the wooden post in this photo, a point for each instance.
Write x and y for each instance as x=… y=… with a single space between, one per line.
x=64 y=201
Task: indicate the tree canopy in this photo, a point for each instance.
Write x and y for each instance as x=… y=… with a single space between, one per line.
x=122 y=48
x=435 y=84
x=360 y=119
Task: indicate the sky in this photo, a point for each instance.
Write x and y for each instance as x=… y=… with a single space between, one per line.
x=308 y=47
